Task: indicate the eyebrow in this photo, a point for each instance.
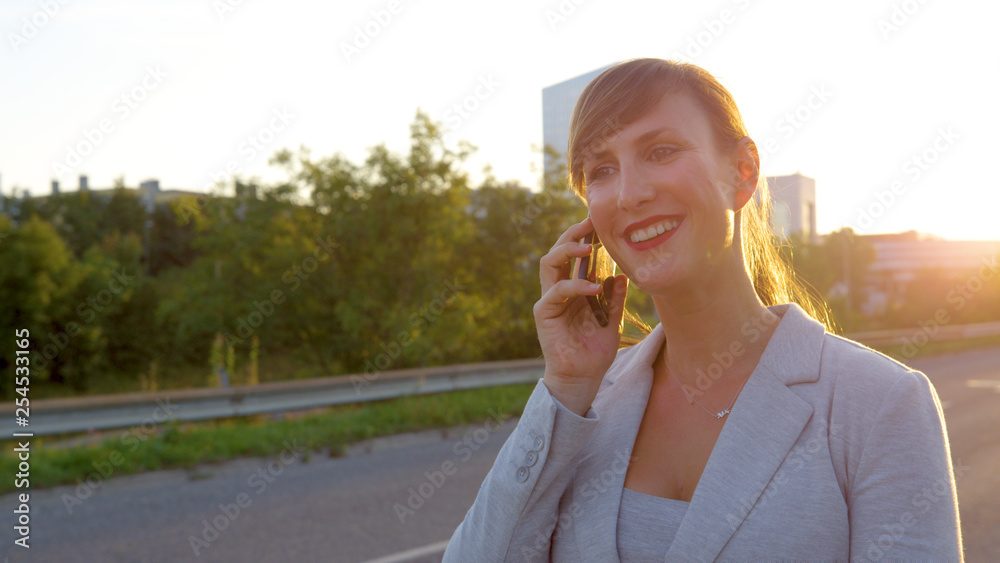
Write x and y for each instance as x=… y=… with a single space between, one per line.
x=640 y=140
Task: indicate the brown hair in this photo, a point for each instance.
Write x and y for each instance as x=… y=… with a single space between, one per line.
x=626 y=92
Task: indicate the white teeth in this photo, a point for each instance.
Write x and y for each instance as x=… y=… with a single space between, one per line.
x=653 y=231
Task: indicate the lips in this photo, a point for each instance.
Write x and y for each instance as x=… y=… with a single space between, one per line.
x=652 y=231
x=648 y=222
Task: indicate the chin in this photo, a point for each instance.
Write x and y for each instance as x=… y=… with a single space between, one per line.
x=662 y=279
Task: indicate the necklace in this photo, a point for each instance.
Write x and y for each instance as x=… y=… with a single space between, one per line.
x=723 y=412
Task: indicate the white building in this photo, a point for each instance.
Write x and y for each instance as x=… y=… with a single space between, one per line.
x=794 y=199
x=900 y=259
x=558 y=102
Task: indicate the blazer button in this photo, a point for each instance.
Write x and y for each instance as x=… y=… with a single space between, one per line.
x=530 y=458
x=522 y=474
x=539 y=442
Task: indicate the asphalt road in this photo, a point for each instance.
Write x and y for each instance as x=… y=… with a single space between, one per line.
x=345 y=509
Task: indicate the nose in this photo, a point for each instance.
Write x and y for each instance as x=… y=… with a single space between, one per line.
x=634 y=189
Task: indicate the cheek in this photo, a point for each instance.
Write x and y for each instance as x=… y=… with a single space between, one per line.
x=601 y=195
x=601 y=209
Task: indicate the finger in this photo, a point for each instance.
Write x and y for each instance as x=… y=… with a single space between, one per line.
x=554 y=302
x=556 y=265
x=617 y=305
x=576 y=231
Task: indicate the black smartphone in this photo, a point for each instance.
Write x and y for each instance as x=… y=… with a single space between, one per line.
x=596 y=268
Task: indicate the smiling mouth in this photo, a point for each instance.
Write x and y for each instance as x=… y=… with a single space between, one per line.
x=653 y=231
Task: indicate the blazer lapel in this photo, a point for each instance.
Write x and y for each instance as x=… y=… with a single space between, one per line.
x=620 y=407
x=762 y=427
x=764 y=424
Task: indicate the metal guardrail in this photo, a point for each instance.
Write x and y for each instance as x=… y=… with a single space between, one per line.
x=58 y=416
x=919 y=336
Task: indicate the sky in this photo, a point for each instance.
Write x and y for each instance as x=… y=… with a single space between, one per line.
x=890 y=105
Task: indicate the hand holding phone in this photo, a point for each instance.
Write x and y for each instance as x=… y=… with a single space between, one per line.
x=578 y=353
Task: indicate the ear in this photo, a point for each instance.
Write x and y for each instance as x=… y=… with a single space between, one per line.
x=747 y=172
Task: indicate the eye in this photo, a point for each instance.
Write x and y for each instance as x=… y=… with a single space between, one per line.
x=598 y=172
x=660 y=153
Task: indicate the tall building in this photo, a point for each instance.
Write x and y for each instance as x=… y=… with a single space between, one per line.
x=148 y=191
x=558 y=102
x=794 y=199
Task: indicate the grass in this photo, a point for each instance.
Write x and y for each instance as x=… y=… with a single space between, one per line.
x=187 y=446
x=938 y=348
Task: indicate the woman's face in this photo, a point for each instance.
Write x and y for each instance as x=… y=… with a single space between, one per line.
x=662 y=196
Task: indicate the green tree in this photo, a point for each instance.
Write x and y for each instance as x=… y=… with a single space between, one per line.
x=39 y=280
x=837 y=268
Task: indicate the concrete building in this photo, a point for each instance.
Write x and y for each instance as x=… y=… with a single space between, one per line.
x=558 y=102
x=794 y=199
x=901 y=258
x=148 y=191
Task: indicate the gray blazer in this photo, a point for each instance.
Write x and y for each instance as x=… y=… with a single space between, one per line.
x=832 y=451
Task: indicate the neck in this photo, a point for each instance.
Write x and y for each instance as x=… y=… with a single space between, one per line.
x=715 y=333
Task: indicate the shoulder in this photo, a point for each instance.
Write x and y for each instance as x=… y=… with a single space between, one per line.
x=862 y=375
x=875 y=400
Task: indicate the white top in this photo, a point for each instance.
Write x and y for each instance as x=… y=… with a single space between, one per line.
x=647 y=525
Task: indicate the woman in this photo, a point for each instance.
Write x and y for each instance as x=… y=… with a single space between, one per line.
x=738 y=428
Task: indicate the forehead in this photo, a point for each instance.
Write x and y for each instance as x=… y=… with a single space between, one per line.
x=677 y=115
